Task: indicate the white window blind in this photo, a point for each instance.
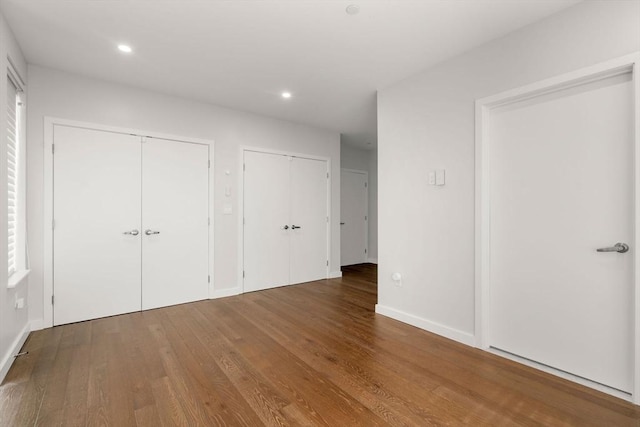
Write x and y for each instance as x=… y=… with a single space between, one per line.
x=12 y=174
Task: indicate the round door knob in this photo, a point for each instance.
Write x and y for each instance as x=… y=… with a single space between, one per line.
x=286 y=227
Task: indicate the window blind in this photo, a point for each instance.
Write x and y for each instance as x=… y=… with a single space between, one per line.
x=12 y=174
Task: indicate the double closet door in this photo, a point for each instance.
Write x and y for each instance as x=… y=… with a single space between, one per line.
x=286 y=220
x=130 y=223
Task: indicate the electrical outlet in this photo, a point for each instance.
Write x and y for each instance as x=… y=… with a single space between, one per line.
x=397 y=279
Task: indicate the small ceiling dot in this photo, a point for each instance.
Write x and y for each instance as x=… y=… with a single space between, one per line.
x=286 y=95
x=125 y=48
x=353 y=9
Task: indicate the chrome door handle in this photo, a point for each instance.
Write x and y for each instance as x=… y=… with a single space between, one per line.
x=295 y=227
x=149 y=232
x=618 y=247
x=132 y=232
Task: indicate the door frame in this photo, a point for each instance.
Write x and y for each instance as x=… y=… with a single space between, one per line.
x=366 y=206
x=243 y=149
x=49 y=123
x=483 y=111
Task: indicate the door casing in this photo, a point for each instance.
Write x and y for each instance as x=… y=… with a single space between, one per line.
x=483 y=109
x=49 y=123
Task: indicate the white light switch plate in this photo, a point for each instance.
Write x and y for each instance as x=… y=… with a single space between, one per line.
x=432 y=178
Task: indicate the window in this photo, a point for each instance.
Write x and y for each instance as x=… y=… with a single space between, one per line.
x=15 y=185
x=12 y=173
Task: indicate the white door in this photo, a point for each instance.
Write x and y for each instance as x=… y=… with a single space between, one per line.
x=285 y=220
x=96 y=184
x=561 y=186
x=175 y=215
x=309 y=220
x=353 y=217
x=267 y=221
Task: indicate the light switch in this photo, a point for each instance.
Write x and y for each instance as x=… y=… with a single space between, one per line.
x=432 y=178
x=227 y=209
x=436 y=177
x=227 y=191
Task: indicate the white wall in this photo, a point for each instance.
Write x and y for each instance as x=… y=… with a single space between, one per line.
x=62 y=95
x=13 y=322
x=365 y=160
x=427 y=122
x=354 y=158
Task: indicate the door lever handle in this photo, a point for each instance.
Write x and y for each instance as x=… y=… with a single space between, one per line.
x=132 y=232
x=295 y=227
x=150 y=232
x=618 y=247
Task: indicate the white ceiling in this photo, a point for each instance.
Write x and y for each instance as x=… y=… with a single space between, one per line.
x=243 y=53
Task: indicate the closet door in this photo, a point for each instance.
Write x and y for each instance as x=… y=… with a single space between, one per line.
x=96 y=238
x=175 y=231
x=266 y=221
x=309 y=220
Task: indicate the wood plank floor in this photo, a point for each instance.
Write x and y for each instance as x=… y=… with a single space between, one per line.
x=305 y=355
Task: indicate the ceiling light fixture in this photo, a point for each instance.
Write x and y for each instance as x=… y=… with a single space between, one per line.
x=286 y=95
x=352 y=9
x=125 y=48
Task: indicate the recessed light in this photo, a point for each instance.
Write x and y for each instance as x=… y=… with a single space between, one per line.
x=286 y=95
x=353 y=9
x=125 y=48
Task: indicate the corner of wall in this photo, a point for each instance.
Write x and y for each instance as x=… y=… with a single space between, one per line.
x=13 y=350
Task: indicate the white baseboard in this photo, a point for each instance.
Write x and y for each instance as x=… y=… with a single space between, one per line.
x=372 y=260
x=567 y=376
x=37 y=324
x=223 y=293
x=427 y=325
x=335 y=275
x=7 y=361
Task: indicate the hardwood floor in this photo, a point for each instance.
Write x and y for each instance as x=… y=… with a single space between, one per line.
x=311 y=354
